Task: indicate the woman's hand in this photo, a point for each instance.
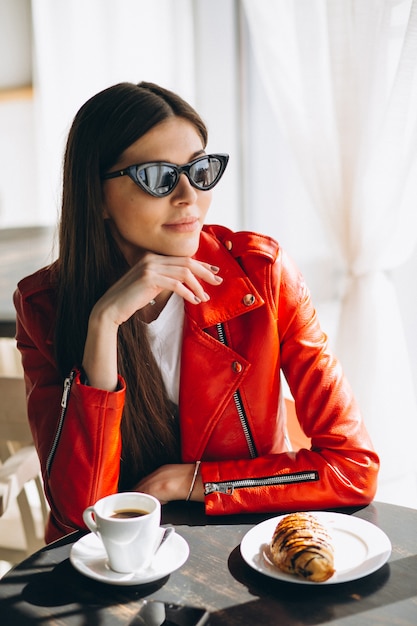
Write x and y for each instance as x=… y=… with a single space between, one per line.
x=152 y=275
x=172 y=482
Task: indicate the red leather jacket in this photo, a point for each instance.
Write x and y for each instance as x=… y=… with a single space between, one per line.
x=258 y=322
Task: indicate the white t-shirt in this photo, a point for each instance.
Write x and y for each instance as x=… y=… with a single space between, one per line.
x=165 y=338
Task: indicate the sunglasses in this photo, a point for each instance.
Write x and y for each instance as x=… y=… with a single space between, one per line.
x=159 y=179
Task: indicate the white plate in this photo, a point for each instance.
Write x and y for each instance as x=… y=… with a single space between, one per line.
x=89 y=557
x=360 y=548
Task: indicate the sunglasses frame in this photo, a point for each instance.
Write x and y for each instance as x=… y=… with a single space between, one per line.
x=223 y=158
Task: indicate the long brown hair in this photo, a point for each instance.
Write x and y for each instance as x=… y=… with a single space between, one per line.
x=90 y=261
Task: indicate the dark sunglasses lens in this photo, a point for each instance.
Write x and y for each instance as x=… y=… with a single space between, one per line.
x=205 y=171
x=157 y=178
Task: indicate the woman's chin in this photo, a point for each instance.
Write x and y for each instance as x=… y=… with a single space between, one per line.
x=185 y=248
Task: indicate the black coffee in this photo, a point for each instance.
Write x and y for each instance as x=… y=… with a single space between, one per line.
x=128 y=513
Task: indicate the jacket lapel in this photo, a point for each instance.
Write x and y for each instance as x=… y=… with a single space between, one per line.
x=209 y=376
x=235 y=296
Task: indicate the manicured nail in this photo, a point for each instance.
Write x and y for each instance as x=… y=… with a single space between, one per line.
x=214 y=269
x=218 y=279
x=206 y=297
x=197 y=299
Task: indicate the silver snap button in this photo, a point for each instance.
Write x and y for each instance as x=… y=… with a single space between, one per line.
x=249 y=299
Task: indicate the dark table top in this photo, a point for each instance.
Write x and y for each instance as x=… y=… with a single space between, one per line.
x=46 y=589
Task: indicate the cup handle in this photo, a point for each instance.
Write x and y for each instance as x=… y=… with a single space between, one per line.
x=89 y=520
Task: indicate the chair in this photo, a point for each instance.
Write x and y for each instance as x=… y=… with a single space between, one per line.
x=23 y=507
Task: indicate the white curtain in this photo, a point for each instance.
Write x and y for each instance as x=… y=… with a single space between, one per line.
x=82 y=47
x=342 y=79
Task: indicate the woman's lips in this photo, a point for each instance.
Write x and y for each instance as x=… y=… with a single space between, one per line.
x=184 y=225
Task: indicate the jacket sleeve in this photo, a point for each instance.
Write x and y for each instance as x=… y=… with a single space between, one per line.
x=76 y=432
x=341 y=468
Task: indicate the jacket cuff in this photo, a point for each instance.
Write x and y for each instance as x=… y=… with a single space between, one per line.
x=111 y=399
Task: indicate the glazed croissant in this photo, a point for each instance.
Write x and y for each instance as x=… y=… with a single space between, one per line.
x=302 y=546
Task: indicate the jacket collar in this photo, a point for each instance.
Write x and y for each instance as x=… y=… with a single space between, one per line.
x=235 y=296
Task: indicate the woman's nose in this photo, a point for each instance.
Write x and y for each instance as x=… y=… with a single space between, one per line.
x=184 y=191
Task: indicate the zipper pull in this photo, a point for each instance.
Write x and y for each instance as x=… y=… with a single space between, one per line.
x=67 y=389
x=226 y=488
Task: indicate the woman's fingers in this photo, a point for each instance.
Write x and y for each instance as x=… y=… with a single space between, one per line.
x=181 y=268
x=183 y=275
x=154 y=274
x=185 y=278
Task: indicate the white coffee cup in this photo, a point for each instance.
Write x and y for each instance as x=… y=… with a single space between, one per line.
x=128 y=524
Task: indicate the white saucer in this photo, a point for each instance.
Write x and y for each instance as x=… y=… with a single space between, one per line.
x=89 y=557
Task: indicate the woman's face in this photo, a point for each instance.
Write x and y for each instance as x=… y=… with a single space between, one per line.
x=171 y=225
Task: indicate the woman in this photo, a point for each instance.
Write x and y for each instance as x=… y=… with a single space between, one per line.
x=153 y=346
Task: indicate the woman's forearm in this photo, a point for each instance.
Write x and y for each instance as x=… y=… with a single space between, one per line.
x=100 y=352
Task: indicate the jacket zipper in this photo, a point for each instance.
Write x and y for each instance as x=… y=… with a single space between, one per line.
x=228 y=486
x=239 y=404
x=64 y=403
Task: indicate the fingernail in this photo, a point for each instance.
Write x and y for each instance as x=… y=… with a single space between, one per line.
x=214 y=268
x=206 y=297
x=197 y=299
x=218 y=279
